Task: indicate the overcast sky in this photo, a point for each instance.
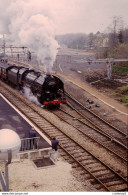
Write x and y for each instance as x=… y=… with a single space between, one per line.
x=34 y=23
x=70 y=16
x=87 y=15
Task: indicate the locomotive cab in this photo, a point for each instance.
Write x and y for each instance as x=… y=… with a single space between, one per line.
x=13 y=75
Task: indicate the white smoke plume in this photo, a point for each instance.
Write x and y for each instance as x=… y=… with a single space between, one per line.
x=28 y=94
x=29 y=23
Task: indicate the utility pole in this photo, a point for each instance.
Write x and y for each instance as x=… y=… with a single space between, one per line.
x=11 y=50
x=18 y=57
x=4 y=46
x=109 y=63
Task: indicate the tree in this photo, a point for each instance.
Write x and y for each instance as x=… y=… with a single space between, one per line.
x=90 y=40
x=116 y=29
x=120 y=37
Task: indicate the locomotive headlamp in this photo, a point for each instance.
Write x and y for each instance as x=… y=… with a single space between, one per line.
x=51 y=83
x=47 y=92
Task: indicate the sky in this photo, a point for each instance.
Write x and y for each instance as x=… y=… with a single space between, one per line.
x=88 y=15
x=34 y=23
x=74 y=16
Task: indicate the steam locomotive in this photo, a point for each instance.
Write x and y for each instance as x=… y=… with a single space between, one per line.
x=48 y=89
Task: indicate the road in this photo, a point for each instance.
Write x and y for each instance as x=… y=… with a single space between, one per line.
x=68 y=61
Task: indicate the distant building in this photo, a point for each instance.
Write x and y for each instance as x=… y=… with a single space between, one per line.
x=105 y=42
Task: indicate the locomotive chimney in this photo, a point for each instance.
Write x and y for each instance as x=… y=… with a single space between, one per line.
x=48 y=74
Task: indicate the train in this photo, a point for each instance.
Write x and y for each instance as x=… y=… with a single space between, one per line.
x=48 y=89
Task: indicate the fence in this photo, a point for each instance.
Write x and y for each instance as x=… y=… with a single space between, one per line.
x=29 y=144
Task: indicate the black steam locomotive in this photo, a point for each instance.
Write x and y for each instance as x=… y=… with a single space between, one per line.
x=48 y=89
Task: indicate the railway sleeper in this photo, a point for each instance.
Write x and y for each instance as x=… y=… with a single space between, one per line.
x=87 y=158
x=75 y=165
x=61 y=137
x=87 y=176
x=102 y=175
x=118 y=187
x=97 y=169
x=38 y=121
x=123 y=189
x=123 y=152
x=85 y=163
x=112 y=178
x=41 y=122
x=79 y=168
x=55 y=134
x=103 y=170
x=32 y=116
x=67 y=146
x=79 y=155
x=80 y=159
x=49 y=131
x=99 y=187
x=70 y=161
x=93 y=181
x=93 y=165
x=62 y=153
x=118 y=183
x=67 y=119
x=17 y=101
x=49 y=127
x=42 y=126
x=72 y=150
x=66 y=158
x=62 y=140
x=82 y=173
x=28 y=110
x=71 y=146
x=51 y=135
x=65 y=143
x=76 y=152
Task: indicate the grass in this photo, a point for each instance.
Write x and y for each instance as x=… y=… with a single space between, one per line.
x=123 y=90
x=124 y=99
x=123 y=93
x=121 y=70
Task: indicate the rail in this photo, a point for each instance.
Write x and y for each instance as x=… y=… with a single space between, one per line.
x=107 y=60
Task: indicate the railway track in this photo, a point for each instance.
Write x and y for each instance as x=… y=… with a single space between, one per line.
x=92 y=134
x=117 y=135
x=71 y=147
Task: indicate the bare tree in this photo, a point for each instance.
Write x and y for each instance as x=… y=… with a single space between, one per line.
x=116 y=30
